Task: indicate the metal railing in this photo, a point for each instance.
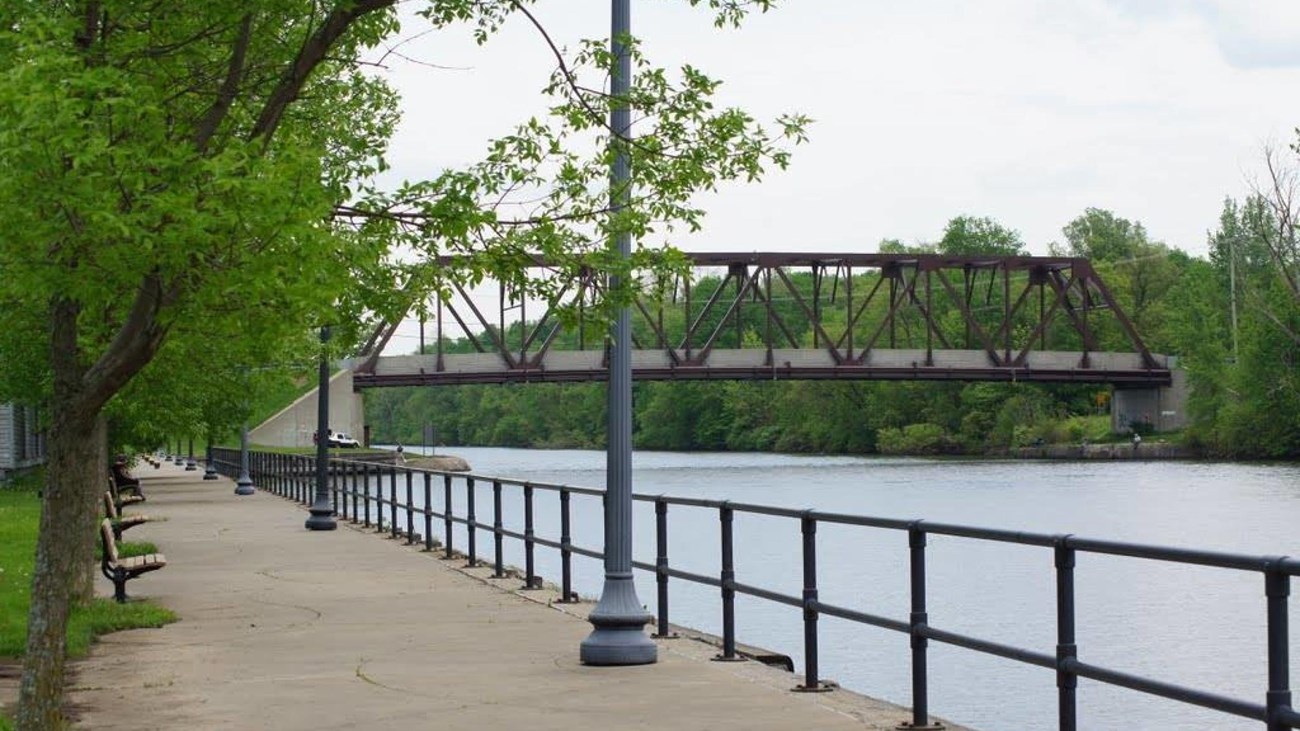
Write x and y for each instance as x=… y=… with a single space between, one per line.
x=293 y=477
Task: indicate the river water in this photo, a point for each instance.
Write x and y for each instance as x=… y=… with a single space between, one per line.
x=1189 y=625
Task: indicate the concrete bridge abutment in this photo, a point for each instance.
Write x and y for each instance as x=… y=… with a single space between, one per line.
x=293 y=425
x=1164 y=408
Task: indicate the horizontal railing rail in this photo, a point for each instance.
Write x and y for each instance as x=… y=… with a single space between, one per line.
x=351 y=483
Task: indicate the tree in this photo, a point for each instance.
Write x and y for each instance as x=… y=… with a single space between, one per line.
x=1100 y=235
x=166 y=163
x=967 y=235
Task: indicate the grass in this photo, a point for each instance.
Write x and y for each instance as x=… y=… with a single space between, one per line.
x=126 y=549
x=19 y=519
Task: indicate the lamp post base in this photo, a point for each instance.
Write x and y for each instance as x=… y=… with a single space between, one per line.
x=619 y=636
x=191 y=465
x=322 y=517
x=244 y=486
x=210 y=473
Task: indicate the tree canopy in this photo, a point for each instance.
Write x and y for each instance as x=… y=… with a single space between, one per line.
x=176 y=173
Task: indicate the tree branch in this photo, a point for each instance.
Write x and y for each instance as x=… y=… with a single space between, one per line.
x=309 y=56
x=229 y=87
x=134 y=345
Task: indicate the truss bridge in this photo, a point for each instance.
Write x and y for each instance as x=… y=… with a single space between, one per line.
x=797 y=316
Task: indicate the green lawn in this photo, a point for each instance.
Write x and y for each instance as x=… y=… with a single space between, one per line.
x=19 y=518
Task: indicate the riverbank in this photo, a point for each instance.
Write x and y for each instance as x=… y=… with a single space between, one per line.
x=1106 y=451
x=441 y=462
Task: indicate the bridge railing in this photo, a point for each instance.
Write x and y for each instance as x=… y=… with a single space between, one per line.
x=358 y=493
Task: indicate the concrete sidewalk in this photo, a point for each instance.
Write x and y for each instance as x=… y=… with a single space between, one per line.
x=283 y=628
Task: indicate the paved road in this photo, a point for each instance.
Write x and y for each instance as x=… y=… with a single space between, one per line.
x=283 y=628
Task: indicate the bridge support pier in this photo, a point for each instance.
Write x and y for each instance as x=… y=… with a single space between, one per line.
x=1163 y=409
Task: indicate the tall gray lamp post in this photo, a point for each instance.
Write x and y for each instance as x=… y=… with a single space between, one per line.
x=322 y=512
x=619 y=637
x=244 y=485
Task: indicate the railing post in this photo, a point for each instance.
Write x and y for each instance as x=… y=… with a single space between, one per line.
x=410 y=507
x=811 y=681
x=333 y=476
x=470 y=518
x=1066 y=649
x=352 y=468
x=379 y=499
x=365 y=496
x=726 y=517
x=661 y=566
x=428 y=511
x=446 y=516
x=530 y=577
x=566 y=549
x=392 y=502
x=918 y=620
x=499 y=566
x=1277 y=587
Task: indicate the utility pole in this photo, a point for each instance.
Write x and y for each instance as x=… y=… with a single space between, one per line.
x=619 y=636
x=1232 y=289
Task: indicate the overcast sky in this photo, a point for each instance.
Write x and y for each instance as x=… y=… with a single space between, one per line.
x=1023 y=110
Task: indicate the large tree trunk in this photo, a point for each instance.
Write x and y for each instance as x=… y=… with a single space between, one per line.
x=87 y=533
x=65 y=548
x=75 y=474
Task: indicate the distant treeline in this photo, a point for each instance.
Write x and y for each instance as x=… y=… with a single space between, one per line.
x=1241 y=355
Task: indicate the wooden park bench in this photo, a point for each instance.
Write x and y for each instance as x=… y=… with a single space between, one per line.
x=122 y=478
x=120 y=522
x=120 y=500
x=121 y=570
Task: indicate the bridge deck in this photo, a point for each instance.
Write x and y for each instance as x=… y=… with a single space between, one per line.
x=759 y=364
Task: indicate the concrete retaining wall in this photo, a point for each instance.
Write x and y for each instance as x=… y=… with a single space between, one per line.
x=294 y=425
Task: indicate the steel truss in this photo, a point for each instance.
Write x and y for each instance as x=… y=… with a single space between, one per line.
x=921 y=317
